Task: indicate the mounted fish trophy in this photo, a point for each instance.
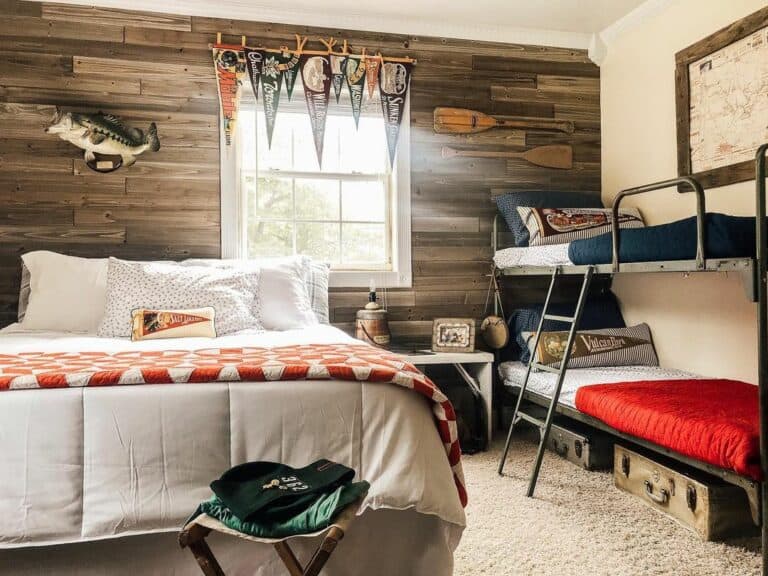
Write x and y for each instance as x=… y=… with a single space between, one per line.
x=107 y=142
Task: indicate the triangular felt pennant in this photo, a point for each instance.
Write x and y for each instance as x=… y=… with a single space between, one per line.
x=354 y=71
x=271 y=82
x=316 y=76
x=289 y=66
x=254 y=60
x=230 y=69
x=393 y=87
x=372 y=66
x=337 y=71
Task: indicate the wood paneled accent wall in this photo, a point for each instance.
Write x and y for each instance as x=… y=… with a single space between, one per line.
x=154 y=67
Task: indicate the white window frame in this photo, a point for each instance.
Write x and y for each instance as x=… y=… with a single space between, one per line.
x=234 y=214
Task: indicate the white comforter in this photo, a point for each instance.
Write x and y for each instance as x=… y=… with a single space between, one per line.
x=83 y=464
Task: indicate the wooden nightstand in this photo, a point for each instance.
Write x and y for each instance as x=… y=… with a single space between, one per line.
x=475 y=368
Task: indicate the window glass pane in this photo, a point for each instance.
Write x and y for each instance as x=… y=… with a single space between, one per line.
x=273 y=198
x=317 y=199
x=305 y=157
x=280 y=155
x=363 y=243
x=364 y=149
x=269 y=239
x=363 y=201
x=318 y=240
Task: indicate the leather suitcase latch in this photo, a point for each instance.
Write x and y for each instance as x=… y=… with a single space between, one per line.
x=691 y=497
x=625 y=464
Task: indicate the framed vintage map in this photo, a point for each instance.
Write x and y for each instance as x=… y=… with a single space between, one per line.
x=722 y=102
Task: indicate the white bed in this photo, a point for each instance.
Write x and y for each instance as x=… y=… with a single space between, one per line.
x=543 y=383
x=81 y=466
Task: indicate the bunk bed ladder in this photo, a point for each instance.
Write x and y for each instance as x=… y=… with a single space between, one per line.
x=545 y=425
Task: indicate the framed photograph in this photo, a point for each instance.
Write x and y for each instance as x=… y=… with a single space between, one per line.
x=721 y=104
x=453 y=335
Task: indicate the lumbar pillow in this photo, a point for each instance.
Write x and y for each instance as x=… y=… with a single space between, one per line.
x=66 y=293
x=234 y=294
x=154 y=324
x=508 y=203
x=631 y=346
x=563 y=225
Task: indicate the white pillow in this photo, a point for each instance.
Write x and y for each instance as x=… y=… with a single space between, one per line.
x=283 y=293
x=234 y=294
x=66 y=293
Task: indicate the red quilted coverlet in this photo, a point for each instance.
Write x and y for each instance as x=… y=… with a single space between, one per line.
x=714 y=421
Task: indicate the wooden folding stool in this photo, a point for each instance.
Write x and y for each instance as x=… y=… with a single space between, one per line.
x=193 y=536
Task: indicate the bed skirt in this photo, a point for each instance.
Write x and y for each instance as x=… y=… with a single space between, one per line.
x=423 y=543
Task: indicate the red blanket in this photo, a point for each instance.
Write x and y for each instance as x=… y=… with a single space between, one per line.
x=355 y=362
x=715 y=421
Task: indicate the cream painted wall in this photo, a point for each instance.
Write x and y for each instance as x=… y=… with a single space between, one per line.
x=702 y=323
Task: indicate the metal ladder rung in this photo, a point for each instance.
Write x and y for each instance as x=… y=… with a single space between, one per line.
x=545 y=368
x=566 y=319
x=532 y=419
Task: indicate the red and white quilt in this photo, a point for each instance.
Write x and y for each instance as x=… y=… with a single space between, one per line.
x=351 y=362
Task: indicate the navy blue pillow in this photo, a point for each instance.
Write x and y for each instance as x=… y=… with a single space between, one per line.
x=600 y=312
x=508 y=203
x=727 y=237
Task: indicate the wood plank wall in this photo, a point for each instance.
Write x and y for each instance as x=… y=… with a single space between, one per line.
x=152 y=67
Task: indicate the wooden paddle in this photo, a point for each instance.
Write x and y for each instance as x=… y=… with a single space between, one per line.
x=554 y=156
x=463 y=121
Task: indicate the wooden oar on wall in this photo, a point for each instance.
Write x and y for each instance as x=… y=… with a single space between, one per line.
x=464 y=121
x=555 y=156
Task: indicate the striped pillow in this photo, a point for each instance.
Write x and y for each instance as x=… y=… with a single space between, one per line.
x=563 y=225
x=631 y=346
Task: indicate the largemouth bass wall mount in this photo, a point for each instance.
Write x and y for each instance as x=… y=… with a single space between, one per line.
x=107 y=143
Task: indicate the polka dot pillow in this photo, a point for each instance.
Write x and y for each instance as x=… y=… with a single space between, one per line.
x=130 y=285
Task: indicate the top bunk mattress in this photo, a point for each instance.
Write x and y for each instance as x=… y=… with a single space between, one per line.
x=543 y=383
x=726 y=237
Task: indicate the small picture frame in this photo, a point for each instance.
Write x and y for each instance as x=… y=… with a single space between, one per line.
x=453 y=335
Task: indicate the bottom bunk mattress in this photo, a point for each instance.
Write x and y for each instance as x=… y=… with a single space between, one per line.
x=543 y=383
x=712 y=420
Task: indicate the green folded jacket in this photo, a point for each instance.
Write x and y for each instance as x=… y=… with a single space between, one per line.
x=318 y=515
x=273 y=492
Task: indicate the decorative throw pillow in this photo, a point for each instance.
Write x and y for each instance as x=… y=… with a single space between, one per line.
x=160 y=285
x=155 y=324
x=23 y=293
x=631 y=346
x=284 y=293
x=599 y=312
x=563 y=225
x=66 y=293
x=508 y=203
x=316 y=279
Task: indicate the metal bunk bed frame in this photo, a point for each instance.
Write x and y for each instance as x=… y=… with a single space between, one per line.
x=754 y=269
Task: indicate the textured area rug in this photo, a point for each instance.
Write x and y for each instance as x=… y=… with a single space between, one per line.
x=578 y=524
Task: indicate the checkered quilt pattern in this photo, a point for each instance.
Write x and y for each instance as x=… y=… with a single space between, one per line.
x=353 y=362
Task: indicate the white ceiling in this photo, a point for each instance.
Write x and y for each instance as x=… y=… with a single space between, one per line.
x=567 y=23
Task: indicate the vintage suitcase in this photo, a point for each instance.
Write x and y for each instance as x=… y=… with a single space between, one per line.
x=705 y=504
x=582 y=445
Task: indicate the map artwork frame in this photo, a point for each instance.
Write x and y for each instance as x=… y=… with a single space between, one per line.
x=722 y=112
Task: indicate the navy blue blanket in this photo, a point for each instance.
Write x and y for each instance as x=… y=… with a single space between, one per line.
x=727 y=237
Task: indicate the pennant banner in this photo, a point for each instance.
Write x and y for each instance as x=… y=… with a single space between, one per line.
x=271 y=82
x=316 y=76
x=289 y=66
x=372 y=66
x=393 y=88
x=254 y=61
x=230 y=69
x=354 y=71
x=338 y=63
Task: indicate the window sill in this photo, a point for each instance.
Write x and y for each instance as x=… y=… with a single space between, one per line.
x=362 y=279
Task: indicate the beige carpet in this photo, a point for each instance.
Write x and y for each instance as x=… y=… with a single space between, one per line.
x=577 y=524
